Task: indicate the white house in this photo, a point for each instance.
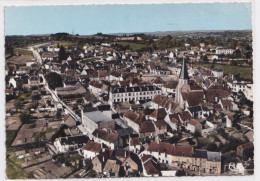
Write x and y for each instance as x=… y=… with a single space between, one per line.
x=135 y=145
x=125 y=94
x=66 y=144
x=97 y=88
x=194 y=126
x=222 y=50
x=217 y=72
x=91 y=149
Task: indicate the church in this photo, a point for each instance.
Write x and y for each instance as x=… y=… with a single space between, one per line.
x=188 y=92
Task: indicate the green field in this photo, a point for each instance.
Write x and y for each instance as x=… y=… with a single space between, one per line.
x=23 y=52
x=10 y=135
x=244 y=72
x=65 y=44
x=13 y=167
x=90 y=60
x=134 y=46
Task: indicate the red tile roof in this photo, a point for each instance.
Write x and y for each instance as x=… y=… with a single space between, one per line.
x=193 y=98
x=247 y=145
x=161 y=147
x=181 y=150
x=226 y=102
x=147 y=126
x=193 y=122
x=158 y=113
x=135 y=141
x=92 y=146
x=158 y=80
x=160 y=123
x=212 y=93
x=171 y=85
x=105 y=135
x=135 y=117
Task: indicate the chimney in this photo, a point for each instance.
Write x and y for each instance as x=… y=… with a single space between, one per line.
x=103 y=160
x=125 y=153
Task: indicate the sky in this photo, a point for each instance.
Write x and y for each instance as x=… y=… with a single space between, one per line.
x=90 y=19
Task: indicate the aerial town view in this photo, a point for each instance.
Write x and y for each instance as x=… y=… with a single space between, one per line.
x=92 y=96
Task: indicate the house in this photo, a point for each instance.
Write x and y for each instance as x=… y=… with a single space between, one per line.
x=150 y=166
x=158 y=114
x=115 y=76
x=110 y=139
x=217 y=72
x=196 y=112
x=91 y=150
x=15 y=82
x=160 y=127
x=169 y=89
x=182 y=156
x=246 y=151
x=226 y=104
x=100 y=160
x=158 y=82
x=194 y=126
x=229 y=120
x=225 y=51
x=171 y=120
x=126 y=94
x=34 y=81
x=162 y=151
x=9 y=92
x=69 y=121
x=135 y=145
x=160 y=101
x=147 y=129
x=97 y=88
x=112 y=168
x=213 y=162
x=30 y=62
x=207 y=161
x=134 y=120
x=132 y=163
x=66 y=144
x=77 y=89
x=96 y=120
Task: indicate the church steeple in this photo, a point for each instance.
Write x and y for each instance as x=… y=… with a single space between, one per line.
x=184 y=72
x=183 y=85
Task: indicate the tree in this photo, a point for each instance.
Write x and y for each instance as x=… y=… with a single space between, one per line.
x=211 y=147
x=24 y=117
x=88 y=165
x=54 y=80
x=62 y=54
x=180 y=173
x=205 y=58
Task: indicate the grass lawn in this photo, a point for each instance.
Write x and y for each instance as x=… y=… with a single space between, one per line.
x=10 y=135
x=65 y=44
x=245 y=72
x=13 y=167
x=23 y=52
x=90 y=60
x=49 y=130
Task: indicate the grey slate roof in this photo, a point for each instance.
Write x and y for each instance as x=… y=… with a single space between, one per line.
x=135 y=89
x=214 y=156
x=184 y=71
x=97 y=116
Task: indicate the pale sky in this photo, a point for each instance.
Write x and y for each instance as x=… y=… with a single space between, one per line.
x=90 y=19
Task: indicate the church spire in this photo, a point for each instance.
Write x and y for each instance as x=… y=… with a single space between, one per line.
x=184 y=71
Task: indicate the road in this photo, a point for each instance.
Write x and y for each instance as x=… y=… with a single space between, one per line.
x=55 y=98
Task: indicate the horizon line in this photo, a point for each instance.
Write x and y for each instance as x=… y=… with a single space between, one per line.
x=135 y=32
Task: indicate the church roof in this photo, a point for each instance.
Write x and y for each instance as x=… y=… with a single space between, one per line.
x=184 y=71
